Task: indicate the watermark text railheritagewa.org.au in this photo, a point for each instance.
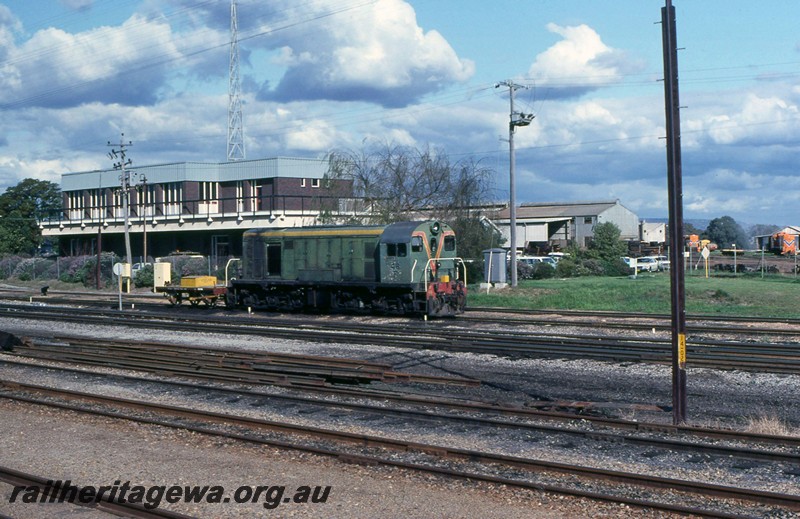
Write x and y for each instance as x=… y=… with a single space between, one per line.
x=270 y=496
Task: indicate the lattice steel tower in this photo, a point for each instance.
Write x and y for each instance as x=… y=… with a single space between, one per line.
x=235 y=124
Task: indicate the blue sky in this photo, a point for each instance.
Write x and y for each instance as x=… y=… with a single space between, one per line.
x=323 y=75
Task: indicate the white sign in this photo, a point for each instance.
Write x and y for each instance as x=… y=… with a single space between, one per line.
x=705 y=252
x=117 y=268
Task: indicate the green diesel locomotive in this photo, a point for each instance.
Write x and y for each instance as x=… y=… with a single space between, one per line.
x=406 y=268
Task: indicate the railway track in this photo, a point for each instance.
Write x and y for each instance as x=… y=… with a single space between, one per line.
x=221 y=364
x=683 y=438
x=775 y=357
x=681 y=496
x=696 y=323
x=101 y=503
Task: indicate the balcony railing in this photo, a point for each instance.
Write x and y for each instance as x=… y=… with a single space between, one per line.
x=189 y=210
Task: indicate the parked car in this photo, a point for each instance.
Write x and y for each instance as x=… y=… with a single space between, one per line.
x=533 y=260
x=648 y=263
x=663 y=262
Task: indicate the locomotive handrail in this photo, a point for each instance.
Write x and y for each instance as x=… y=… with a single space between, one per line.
x=228 y=264
x=439 y=260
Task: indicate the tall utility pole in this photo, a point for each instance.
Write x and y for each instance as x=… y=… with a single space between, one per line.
x=675 y=193
x=515 y=119
x=125 y=185
x=143 y=209
x=235 y=123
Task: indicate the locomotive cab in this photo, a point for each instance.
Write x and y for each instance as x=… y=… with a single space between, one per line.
x=423 y=255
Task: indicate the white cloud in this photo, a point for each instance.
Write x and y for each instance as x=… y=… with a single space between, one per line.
x=124 y=64
x=377 y=53
x=314 y=136
x=579 y=63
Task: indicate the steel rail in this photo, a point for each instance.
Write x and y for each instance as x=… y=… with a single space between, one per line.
x=224 y=364
x=699 y=323
x=638 y=480
x=781 y=358
x=635 y=315
x=102 y=502
x=427 y=414
x=532 y=410
x=157 y=300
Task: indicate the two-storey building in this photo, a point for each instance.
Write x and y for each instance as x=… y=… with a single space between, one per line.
x=189 y=206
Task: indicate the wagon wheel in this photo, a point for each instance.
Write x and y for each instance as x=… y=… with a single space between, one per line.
x=210 y=302
x=194 y=302
x=174 y=299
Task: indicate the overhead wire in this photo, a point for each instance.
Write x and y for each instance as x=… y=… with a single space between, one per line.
x=431 y=103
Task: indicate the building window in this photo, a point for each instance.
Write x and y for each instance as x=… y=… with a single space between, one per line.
x=95 y=205
x=254 y=196
x=209 y=198
x=302 y=182
x=208 y=191
x=173 y=198
x=314 y=182
x=75 y=201
x=587 y=220
x=239 y=196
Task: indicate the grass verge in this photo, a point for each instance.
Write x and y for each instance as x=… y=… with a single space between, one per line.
x=772 y=296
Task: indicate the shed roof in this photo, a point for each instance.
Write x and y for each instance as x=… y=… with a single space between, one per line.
x=559 y=210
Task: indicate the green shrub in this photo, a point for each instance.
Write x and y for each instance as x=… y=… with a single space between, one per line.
x=145 y=277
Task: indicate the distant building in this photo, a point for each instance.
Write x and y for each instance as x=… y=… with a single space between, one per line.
x=202 y=207
x=653 y=233
x=784 y=241
x=558 y=225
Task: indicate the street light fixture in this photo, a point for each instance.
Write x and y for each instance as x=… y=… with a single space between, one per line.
x=515 y=119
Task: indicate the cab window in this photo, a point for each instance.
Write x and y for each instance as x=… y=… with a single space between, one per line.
x=450 y=243
x=402 y=250
x=391 y=249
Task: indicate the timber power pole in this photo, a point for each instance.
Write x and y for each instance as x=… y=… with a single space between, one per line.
x=119 y=155
x=515 y=119
x=675 y=194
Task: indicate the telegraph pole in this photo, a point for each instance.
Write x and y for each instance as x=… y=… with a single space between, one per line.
x=675 y=193
x=125 y=184
x=515 y=119
x=143 y=202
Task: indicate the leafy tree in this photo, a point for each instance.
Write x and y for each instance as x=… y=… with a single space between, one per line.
x=606 y=244
x=21 y=207
x=724 y=231
x=689 y=228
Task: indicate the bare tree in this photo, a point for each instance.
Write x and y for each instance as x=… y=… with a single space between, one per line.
x=403 y=183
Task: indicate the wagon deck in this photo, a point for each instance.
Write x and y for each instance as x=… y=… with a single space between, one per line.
x=195 y=290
